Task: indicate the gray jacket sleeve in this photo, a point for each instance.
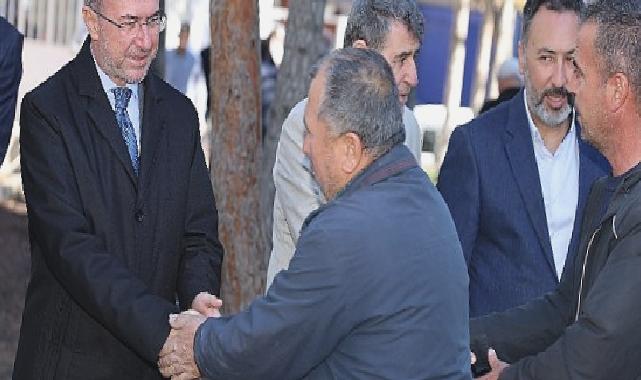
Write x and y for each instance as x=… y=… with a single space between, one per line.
x=297 y=193
x=291 y=330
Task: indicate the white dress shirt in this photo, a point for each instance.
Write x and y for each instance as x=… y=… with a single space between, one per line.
x=559 y=175
x=132 y=108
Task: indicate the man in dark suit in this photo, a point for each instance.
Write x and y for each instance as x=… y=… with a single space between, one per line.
x=516 y=178
x=119 y=239
x=10 y=74
x=368 y=294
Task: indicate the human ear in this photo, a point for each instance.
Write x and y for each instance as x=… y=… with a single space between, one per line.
x=353 y=150
x=91 y=21
x=617 y=91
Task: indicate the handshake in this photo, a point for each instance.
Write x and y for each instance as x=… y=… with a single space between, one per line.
x=486 y=365
x=176 y=359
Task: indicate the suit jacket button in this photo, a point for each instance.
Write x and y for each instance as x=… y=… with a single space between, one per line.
x=140 y=216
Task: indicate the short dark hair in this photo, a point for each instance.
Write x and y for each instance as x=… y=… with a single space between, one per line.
x=533 y=6
x=617 y=42
x=369 y=20
x=360 y=96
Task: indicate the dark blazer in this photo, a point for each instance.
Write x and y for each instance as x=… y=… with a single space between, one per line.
x=377 y=289
x=10 y=75
x=110 y=251
x=490 y=181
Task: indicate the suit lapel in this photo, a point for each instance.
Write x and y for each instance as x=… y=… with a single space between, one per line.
x=520 y=153
x=152 y=129
x=98 y=108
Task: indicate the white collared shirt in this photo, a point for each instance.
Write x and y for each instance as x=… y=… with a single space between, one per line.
x=132 y=107
x=559 y=175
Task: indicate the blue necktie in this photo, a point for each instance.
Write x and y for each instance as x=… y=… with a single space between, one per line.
x=123 y=94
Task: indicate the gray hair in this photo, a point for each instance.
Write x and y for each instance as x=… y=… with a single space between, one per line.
x=369 y=20
x=532 y=7
x=360 y=96
x=617 y=39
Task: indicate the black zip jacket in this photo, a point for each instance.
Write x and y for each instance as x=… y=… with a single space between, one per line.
x=590 y=326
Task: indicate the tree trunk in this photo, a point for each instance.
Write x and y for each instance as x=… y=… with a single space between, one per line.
x=304 y=45
x=236 y=148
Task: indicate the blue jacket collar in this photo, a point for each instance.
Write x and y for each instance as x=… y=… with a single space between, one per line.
x=397 y=160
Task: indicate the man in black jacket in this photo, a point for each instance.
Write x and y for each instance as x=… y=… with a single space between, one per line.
x=589 y=327
x=122 y=219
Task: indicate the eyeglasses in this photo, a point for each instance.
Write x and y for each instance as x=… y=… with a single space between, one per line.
x=131 y=24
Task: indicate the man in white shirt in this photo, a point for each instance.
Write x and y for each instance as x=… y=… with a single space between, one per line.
x=395 y=29
x=516 y=178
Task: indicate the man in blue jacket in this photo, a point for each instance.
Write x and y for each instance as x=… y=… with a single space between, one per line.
x=516 y=179
x=10 y=74
x=377 y=287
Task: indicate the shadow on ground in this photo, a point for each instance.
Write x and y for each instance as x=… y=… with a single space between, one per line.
x=14 y=274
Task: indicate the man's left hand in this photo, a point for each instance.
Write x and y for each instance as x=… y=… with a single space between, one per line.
x=176 y=359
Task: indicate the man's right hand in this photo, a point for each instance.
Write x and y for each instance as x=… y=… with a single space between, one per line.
x=497 y=367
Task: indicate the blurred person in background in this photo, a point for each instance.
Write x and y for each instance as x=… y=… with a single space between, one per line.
x=510 y=82
x=180 y=65
x=268 y=76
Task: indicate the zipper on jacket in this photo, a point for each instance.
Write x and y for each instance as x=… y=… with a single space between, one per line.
x=585 y=261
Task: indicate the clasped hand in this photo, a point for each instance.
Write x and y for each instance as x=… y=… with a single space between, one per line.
x=495 y=363
x=176 y=359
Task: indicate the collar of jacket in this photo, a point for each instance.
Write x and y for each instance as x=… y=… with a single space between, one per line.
x=397 y=160
x=89 y=83
x=85 y=80
x=628 y=181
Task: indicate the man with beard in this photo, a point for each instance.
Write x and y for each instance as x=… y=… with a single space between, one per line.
x=122 y=218
x=516 y=179
x=589 y=327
